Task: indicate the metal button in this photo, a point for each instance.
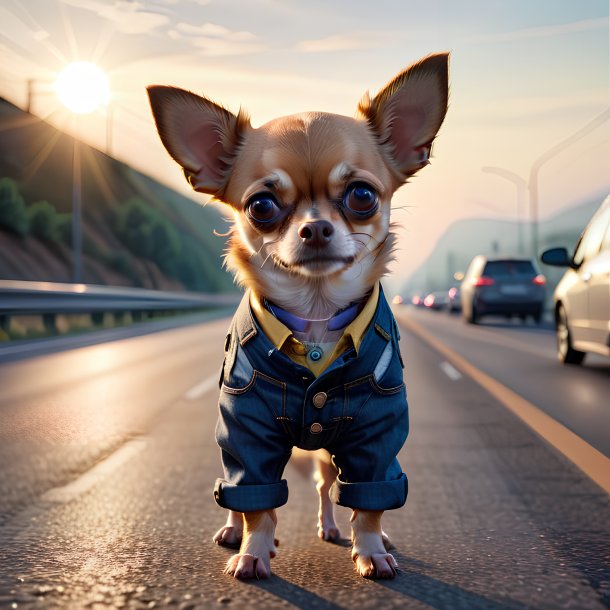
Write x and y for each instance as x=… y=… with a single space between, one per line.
x=319 y=400
x=315 y=428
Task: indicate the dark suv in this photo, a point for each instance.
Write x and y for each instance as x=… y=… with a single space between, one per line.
x=502 y=286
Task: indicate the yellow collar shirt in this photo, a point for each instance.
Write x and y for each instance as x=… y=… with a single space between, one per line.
x=283 y=339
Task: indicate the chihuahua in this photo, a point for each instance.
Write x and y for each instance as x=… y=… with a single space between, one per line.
x=312 y=357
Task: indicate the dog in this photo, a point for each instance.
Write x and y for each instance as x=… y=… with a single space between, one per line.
x=312 y=358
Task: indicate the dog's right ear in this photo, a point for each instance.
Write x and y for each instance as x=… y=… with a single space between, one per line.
x=408 y=112
x=200 y=135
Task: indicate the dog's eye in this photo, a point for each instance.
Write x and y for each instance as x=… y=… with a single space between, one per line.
x=361 y=200
x=263 y=208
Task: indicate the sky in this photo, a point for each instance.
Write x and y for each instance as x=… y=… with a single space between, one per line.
x=525 y=75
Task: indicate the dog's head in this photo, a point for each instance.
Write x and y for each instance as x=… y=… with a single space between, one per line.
x=310 y=193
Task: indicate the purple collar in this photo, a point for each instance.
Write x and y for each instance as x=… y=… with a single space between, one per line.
x=297 y=324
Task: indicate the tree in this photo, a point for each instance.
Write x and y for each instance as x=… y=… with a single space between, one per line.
x=43 y=221
x=134 y=227
x=12 y=208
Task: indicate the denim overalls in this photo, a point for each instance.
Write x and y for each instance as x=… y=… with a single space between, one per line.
x=356 y=409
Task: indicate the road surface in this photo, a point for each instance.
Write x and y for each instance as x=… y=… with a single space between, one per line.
x=523 y=357
x=108 y=462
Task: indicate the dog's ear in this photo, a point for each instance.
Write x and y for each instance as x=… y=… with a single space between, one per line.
x=200 y=135
x=408 y=112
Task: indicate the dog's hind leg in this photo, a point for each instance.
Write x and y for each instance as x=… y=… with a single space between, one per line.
x=230 y=534
x=325 y=476
x=257 y=547
x=369 y=551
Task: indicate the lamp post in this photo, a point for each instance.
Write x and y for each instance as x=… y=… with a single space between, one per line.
x=110 y=108
x=547 y=156
x=532 y=185
x=521 y=185
x=83 y=88
x=34 y=88
x=77 y=220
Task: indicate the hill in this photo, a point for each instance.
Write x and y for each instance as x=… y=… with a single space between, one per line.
x=136 y=231
x=466 y=238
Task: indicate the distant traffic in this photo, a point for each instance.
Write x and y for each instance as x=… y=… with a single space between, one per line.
x=514 y=287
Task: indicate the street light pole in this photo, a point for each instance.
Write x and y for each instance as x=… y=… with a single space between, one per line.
x=28 y=107
x=547 y=156
x=521 y=185
x=109 y=127
x=77 y=235
x=82 y=87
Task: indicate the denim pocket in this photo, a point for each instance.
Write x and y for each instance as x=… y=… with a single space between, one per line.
x=357 y=394
x=387 y=377
x=239 y=374
x=386 y=391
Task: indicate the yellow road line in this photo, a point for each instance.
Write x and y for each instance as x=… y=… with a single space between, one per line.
x=592 y=462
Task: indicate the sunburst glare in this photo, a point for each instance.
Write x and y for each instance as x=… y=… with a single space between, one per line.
x=82 y=87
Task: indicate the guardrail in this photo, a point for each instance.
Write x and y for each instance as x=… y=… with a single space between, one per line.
x=49 y=299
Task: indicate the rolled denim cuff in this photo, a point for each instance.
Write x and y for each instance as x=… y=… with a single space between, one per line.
x=376 y=495
x=247 y=498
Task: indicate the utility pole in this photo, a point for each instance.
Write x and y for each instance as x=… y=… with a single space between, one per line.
x=547 y=156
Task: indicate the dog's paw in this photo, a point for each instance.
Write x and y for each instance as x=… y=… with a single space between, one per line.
x=247 y=567
x=329 y=533
x=377 y=565
x=228 y=536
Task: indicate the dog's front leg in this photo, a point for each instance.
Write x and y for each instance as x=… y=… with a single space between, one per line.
x=230 y=534
x=257 y=546
x=368 y=551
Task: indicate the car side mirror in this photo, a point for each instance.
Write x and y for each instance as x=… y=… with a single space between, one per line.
x=557 y=257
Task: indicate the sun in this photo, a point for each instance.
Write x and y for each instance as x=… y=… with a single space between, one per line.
x=82 y=87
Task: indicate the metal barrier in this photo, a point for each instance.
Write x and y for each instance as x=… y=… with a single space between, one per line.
x=49 y=299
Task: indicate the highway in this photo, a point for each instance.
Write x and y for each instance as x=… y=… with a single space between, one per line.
x=522 y=357
x=108 y=462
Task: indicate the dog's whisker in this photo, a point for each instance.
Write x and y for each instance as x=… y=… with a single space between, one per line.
x=263 y=245
x=257 y=252
x=270 y=254
x=266 y=259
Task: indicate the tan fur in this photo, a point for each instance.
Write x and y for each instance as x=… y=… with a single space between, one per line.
x=319 y=250
x=307 y=148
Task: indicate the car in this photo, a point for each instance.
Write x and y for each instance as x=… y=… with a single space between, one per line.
x=582 y=296
x=397 y=300
x=436 y=300
x=502 y=286
x=455 y=299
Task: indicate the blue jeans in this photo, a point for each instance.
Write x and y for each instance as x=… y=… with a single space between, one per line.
x=356 y=409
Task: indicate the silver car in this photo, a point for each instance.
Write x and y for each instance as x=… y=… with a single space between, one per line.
x=502 y=286
x=582 y=297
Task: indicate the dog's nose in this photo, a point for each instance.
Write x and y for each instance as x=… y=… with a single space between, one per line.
x=316 y=232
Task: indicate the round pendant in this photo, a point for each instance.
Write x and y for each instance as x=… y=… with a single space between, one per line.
x=315 y=353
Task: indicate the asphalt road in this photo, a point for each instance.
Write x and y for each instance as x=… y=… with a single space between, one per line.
x=522 y=357
x=108 y=461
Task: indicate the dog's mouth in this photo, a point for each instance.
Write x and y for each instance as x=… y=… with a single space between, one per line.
x=318 y=265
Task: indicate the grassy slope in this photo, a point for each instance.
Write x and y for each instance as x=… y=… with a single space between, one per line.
x=39 y=157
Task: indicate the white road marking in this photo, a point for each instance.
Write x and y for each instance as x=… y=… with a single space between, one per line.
x=202 y=388
x=100 y=471
x=450 y=371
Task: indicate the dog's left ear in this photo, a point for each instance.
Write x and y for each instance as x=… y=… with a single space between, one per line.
x=408 y=112
x=200 y=135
